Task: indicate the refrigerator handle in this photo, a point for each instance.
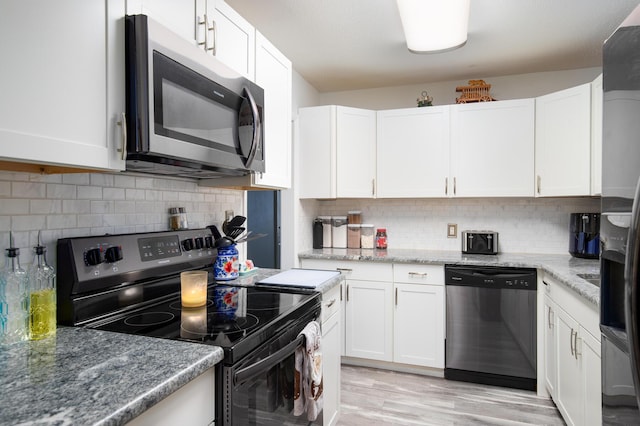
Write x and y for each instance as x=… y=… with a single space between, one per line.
x=632 y=292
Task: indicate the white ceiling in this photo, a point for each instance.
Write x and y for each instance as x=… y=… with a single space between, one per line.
x=356 y=44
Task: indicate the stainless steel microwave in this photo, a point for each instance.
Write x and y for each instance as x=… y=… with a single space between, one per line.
x=187 y=114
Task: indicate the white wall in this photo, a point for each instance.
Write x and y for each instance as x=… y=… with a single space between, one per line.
x=72 y=205
x=444 y=93
x=291 y=223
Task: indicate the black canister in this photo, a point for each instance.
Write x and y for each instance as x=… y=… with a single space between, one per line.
x=317 y=234
x=584 y=235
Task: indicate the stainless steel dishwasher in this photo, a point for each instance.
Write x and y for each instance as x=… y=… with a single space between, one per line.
x=491 y=325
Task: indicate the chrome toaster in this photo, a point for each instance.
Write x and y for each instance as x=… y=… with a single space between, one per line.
x=479 y=242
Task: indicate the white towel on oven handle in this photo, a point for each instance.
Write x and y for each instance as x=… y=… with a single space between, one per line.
x=308 y=374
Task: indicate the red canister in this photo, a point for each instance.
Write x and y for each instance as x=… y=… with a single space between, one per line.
x=381 y=238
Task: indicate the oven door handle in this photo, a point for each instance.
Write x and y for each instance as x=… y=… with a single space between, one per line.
x=267 y=363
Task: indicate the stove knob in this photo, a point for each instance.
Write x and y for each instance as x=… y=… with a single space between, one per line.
x=93 y=257
x=187 y=244
x=113 y=254
x=208 y=242
x=199 y=243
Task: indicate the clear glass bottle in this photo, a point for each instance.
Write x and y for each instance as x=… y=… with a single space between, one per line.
x=16 y=285
x=42 y=283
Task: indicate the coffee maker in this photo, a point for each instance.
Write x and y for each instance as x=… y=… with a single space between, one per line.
x=584 y=235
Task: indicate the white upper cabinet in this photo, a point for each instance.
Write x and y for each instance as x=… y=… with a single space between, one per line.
x=413 y=152
x=62 y=84
x=222 y=32
x=563 y=142
x=492 y=149
x=596 y=135
x=178 y=16
x=273 y=74
x=337 y=152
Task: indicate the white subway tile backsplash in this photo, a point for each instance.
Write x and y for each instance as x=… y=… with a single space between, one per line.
x=76 y=206
x=62 y=221
x=113 y=194
x=28 y=222
x=152 y=195
x=61 y=191
x=144 y=182
x=77 y=178
x=102 y=206
x=102 y=179
x=124 y=181
x=89 y=220
x=5 y=224
x=90 y=192
x=14 y=206
x=134 y=194
x=28 y=189
x=125 y=206
x=45 y=206
x=5 y=189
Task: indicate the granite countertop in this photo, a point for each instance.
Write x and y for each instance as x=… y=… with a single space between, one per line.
x=563 y=268
x=89 y=377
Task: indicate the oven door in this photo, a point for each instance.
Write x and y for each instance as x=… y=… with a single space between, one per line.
x=259 y=390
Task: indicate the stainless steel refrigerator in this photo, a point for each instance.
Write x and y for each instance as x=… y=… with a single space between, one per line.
x=619 y=226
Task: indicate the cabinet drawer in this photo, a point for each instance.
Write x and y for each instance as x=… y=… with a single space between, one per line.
x=417 y=274
x=354 y=270
x=331 y=302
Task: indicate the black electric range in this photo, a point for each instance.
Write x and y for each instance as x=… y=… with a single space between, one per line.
x=130 y=283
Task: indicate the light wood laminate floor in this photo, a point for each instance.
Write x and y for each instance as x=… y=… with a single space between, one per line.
x=380 y=397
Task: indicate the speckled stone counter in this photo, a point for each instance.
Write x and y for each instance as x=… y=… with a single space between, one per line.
x=564 y=268
x=86 y=377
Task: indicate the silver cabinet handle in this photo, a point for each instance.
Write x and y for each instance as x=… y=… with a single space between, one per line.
x=538 y=180
x=446 y=186
x=330 y=304
x=454 y=185
x=418 y=274
x=347 y=292
x=549 y=318
x=575 y=345
x=123 y=126
x=201 y=21
x=214 y=30
x=373 y=187
x=344 y=270
x=396 y=296
x=573 y=351
x=341 y=292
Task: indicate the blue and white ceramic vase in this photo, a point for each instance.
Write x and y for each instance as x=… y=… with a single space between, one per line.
x=226 y=266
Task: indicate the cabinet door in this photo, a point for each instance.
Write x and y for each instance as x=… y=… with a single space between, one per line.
x=355 y=154
x=492 y=149
x=368 y=320
x=316 y=145
x=418 y=327
x=592 y=380
x=62 y=82
x=179 y=17
x=413 y=152
x=234 y=38
x=596 y=136
x=563 y=142
x=273 y=74
x=331 y=337
x=549 y=333
x=569 y=385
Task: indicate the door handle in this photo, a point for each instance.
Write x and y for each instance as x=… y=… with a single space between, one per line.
x=214 y=31
x=538 y=181
x=347 y=292
x=571 y=341
x=257 y=128
x=199 y=22
x=454 y=185
x=446 y=186
x=549 y=318
x=396 y=296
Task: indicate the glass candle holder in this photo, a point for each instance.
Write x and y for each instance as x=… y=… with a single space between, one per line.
x=193 y=288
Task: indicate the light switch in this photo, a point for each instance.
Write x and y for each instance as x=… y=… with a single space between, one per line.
x=452 y=230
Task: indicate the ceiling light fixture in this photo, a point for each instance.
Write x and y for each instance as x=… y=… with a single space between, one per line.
x=432 y=26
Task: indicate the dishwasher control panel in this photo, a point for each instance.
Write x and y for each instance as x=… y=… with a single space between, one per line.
x=491 y=277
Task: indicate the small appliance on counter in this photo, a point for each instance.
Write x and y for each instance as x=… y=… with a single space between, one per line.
x=584 y=235
x=479 y=242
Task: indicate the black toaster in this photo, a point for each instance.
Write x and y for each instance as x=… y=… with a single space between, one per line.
x=479 y=242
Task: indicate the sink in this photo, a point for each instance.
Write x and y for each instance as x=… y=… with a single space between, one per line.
x=592 y=278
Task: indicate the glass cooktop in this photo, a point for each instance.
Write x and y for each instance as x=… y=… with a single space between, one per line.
x=234 y=318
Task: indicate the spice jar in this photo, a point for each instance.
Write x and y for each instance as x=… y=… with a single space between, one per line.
x=381 y=238
x=366 y=236
x=353 y=236
x=174 y=219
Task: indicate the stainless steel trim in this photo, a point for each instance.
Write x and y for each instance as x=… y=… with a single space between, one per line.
x=123 y=125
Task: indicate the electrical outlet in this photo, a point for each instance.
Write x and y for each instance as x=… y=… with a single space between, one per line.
x=452 y=230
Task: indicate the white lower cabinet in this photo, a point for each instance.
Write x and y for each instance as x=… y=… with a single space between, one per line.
x=192 y=404
x=331 y=346
x=392 y=313
x=574 y=378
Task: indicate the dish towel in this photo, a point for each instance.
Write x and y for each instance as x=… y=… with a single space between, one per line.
x=308 y=373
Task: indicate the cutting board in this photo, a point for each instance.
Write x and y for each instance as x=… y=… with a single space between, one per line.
x=307 y=278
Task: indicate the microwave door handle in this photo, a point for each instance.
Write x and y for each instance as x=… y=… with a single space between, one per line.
x=631 y=291
x=257 y=128
x=267 y=363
